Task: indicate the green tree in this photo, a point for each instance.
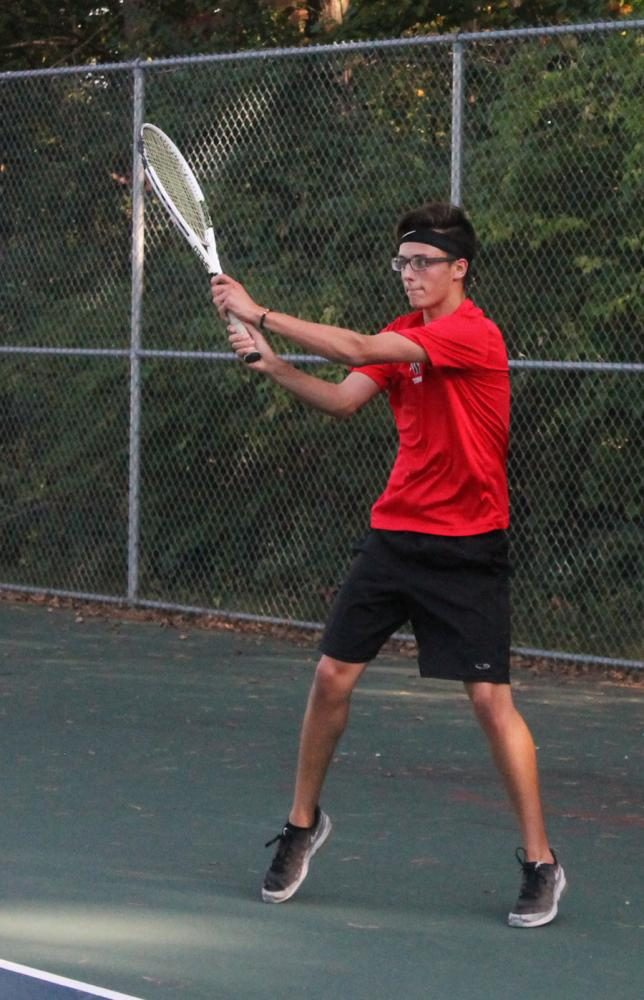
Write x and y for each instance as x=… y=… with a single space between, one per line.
x=307 y=161
x=39 y=33
x=381 y=19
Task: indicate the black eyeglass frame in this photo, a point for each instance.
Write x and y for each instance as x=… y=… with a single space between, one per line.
x=399 y=263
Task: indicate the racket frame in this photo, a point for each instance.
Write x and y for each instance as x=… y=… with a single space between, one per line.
x=206 y=249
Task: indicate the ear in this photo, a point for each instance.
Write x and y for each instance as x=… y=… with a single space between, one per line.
x=461 y=267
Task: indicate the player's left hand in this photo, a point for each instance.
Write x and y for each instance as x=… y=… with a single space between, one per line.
x=231 y=296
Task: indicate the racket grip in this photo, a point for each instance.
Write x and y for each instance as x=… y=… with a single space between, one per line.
x=252 y=356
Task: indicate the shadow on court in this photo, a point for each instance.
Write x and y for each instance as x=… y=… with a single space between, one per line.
x=144 y=767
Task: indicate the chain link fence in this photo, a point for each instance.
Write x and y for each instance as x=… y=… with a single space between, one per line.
x=141 y=462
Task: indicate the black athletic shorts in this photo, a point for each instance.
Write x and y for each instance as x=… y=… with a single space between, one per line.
x=453 y=590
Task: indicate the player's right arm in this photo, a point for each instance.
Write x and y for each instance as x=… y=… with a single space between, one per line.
x=347 y=347
x=338 y=399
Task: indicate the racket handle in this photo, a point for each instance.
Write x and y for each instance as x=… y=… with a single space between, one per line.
x=252 y=356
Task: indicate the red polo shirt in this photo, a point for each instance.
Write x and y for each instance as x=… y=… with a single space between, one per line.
x=453 y=418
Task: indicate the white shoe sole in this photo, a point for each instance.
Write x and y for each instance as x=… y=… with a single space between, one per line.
x=539 y=919
x=280 y=897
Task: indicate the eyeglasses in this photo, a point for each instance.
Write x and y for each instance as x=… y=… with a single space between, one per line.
x=419 y=262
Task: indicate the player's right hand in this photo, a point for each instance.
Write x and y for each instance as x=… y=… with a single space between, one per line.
x=249 y=341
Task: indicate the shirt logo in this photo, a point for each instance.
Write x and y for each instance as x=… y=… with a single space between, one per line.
x=416 y=372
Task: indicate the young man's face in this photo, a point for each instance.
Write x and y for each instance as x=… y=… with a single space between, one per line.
x=434 y=283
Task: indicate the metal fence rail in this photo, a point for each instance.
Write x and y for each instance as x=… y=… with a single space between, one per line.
x=142 y=463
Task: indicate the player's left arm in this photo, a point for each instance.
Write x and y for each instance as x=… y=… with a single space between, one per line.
x=333 y=342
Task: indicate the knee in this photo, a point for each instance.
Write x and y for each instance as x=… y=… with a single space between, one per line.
x=334 y=680
x=492 y=704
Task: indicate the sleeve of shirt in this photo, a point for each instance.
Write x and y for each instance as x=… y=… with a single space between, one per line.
x=382 y=374
x=451 y=343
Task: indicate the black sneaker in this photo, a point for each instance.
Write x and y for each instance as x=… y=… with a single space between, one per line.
x=291 y=862
x=541 y=888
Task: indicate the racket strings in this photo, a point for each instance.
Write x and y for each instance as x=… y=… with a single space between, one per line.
x=171 y=172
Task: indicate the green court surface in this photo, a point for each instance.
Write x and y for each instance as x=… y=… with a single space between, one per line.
x=144 y=767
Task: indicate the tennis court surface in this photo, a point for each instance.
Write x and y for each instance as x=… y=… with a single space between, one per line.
x=144 y=767
x=22 y=983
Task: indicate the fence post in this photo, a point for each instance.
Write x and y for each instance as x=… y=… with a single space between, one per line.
x=458 y=61
x=134 y=480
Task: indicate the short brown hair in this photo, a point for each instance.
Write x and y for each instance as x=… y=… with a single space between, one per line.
x=444 y=217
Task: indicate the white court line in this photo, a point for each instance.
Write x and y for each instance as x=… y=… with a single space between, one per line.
x=48 y=977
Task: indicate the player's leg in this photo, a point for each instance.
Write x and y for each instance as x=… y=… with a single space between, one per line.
x=366 y=612
x=325 y=719
x=515 y=755
x=461 y=617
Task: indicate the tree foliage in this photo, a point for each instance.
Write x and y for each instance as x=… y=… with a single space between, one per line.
x=319 y=156
x=40 y=33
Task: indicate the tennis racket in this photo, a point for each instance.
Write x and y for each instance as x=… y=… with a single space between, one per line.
x=175 y=185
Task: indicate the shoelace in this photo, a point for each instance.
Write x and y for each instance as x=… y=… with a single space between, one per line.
x=533 y=876
x=286 y=843
x=280 y=836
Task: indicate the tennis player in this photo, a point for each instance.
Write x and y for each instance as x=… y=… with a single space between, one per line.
x=436 y=553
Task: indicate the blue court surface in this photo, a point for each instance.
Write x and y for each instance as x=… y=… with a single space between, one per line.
x=19 y=982
x=144 y=767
